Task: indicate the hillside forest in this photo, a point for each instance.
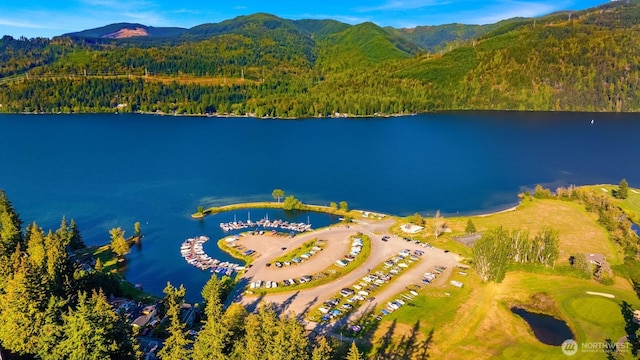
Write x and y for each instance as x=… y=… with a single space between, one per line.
x=265 y=66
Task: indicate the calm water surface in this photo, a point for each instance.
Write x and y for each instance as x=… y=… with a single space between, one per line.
x=113 y=170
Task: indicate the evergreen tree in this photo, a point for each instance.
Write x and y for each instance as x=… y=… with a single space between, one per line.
x=76 y=238
x=22 y=303
x=175 y=347
x=10 y=226
x=211 y=341
x=354 y=353
x=51 y=332
x=58 y=267
x=296 y=343
x=36 y=245
x=344 y=206
x=63 y=233
x=94 y=331
x=470 y=228
x=119 y=244
x=260 y=335
x=234 y=321
x=623 y=190
x=322 y=350
x=99 y=266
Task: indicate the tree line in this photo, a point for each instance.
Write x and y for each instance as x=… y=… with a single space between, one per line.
x=50 y=308
x=497 y=248
x=587 y=64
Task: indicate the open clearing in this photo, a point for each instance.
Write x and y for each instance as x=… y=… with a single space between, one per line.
x=476 y=323
x=578 y=230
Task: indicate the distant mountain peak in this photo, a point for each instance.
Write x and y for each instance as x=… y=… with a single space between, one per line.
x=127 y=33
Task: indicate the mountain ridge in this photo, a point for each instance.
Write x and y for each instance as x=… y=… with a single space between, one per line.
x=262 y=65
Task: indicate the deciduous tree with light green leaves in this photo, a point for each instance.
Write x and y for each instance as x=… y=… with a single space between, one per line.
x=277 y=194
x=136 y=228
x=119 y=244
x=491 y=255
x=291 y=203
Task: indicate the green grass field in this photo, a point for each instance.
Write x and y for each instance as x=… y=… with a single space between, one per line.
x=578 y=230
x=476 y=322
x=630 y=205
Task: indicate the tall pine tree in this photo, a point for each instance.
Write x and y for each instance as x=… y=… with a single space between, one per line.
x=175 y=347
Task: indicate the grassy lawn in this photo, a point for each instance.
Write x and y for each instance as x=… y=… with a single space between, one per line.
x=476 y=321
x=578 y=230
x=224 y=246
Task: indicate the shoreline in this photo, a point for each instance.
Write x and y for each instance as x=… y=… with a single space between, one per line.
x=319 y=208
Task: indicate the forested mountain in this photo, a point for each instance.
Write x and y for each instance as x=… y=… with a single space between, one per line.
x=124 y=30
x=262 y=65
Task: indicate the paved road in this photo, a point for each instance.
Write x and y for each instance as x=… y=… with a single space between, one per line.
x=301 y=302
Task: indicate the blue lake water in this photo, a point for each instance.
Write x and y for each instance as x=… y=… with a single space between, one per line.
x=113 y=170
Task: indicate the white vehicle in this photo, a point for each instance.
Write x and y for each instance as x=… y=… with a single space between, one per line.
x=267 y=285
x=258 y=284
x=324 y=310
x=363 y=293
x=252 y=285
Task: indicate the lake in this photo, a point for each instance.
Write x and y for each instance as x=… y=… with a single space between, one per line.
x=113 y=170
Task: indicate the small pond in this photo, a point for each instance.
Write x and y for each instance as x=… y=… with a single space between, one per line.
x=635 y=228
x=546 y=329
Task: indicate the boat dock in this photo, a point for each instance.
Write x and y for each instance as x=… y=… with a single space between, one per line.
x=192 y=251
x=266 y=223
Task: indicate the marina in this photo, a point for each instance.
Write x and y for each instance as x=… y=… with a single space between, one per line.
x=192 y=251
x=266 y=223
